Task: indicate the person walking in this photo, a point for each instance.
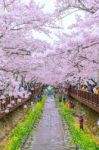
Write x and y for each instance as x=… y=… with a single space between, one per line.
x=81 y=121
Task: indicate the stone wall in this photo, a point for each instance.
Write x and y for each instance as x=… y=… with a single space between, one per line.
x=9 y=122
x=90 y=117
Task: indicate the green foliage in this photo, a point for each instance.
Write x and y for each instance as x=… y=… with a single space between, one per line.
x=81 y=137
x=22 y=129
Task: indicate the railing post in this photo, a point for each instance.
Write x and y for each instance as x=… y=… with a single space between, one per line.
x=97 y=101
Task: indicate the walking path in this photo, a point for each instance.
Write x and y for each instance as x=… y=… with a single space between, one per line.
x=50 y=133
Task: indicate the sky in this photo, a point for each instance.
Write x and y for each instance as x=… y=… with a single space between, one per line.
x=49 y=7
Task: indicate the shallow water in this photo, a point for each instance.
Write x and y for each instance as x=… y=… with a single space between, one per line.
x=90 y=117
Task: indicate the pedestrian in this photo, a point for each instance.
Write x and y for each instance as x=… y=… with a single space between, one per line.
x=64 y=100
x=94 y=89
x=81 y=121
x=70 y=104
x=90 y=88
x=97 y=90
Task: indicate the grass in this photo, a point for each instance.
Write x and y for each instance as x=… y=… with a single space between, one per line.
x=23 y=129
x=80 y=137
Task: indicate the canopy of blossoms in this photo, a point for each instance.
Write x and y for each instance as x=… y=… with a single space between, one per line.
x=72 y=56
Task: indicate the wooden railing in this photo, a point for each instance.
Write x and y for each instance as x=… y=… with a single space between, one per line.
x=36 y=91
x=89 y=99
x=11 y=103
x=8 y=105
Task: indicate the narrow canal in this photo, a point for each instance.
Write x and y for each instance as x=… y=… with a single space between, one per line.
x=90 y=117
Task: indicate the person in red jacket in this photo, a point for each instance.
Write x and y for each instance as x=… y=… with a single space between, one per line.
x=81 y=122
x=70 y=104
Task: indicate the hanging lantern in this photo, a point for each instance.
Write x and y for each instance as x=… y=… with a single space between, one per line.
x=10 y=94
x=3 y=102
x=9 y=106
x=98 y=122
x=6 y=111
x=13 y=102
x=25 y=106
x=19 y=100
x=15 y=95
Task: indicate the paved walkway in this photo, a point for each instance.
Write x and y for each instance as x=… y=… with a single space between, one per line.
x=50 y=133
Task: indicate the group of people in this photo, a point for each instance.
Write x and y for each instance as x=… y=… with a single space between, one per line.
x=90 y=88
x=38 y=97
x=62 y=93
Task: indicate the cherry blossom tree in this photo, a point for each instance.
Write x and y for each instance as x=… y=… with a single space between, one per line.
x=90 y=6
x=67 y=60
x=17 y=20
